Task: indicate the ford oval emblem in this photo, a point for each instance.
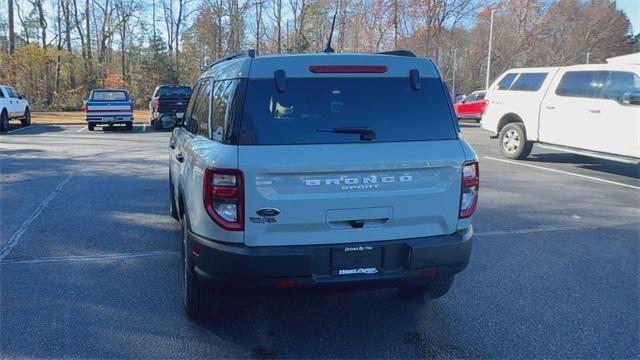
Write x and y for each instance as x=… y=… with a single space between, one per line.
x=268 y=212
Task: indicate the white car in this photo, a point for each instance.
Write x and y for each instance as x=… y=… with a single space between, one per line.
x=13 y=106
x=592 y=110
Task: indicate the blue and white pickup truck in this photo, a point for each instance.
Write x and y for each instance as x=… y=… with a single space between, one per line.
x=109 y=107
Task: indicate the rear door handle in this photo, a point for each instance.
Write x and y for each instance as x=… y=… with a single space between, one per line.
x=594 y=111
x=180 y=157
x=550 y=107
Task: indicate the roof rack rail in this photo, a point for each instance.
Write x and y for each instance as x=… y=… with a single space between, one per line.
x=398 y=53
x=244 y=53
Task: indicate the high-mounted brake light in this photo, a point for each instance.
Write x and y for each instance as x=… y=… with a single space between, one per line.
x=348 y=69
x=223 y=196
x=469 y=191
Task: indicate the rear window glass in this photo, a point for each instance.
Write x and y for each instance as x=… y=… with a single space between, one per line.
x=311 y=107
x=174 y=91
x=580 y=84
x=109 y=96
x=529 y=82
x=506 y=81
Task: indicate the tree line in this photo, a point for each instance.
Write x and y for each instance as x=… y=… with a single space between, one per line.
x=56 y=51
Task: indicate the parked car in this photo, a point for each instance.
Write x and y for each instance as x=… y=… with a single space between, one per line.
x=109 y=107
x=167 y=104
x=13 y=106
x=294 y=171
x=591 y=110
x=472 y=107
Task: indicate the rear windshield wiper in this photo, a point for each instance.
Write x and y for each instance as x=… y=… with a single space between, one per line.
x=366 y=134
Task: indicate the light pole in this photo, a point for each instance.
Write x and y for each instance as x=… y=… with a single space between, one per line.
x=588 y=56
x=486 y=86
x=453 y=83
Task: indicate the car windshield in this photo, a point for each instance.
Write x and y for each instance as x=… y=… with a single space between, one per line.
x=387 y=107
x=174 y=91
x=109 y=96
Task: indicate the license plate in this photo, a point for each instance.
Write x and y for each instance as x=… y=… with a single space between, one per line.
x=179 y=115
x=356 y=259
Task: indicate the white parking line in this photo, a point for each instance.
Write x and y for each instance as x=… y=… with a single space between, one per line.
x=13 y=241
x=565 y=173
x=16 y=130
x=81 y=129
x=106 y=257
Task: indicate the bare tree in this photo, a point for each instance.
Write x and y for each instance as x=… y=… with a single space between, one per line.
x=12 y=35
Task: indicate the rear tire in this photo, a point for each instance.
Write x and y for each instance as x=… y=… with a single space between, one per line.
x=434 y=290
x=198 y=300
x=513 y=141
x=129 y=126
x=4 y=121
x=26 y=121
x=90 y=126
x=173 y=209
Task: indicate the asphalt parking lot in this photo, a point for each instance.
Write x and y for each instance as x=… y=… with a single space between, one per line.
x=90 y=265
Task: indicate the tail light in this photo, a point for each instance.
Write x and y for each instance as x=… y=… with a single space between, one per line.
x=223 y=197
x=157 y=103
x=484 y=108
x=470 y=186
x=85 y=107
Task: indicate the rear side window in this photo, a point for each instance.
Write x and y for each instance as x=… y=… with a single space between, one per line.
x=506 y=81
x=619 y=82
x=310 y=109
x=528 y=82
x=580 y=84
x=1 y=93
x=220 y=116
x=109 y=96
x=201 y=108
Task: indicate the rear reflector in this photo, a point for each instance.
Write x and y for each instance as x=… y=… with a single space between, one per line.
x=348 y=69
x=429 y=272
x=284 y=283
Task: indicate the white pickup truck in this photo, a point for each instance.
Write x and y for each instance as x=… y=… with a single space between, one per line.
x=13 y=106
x=591 y=110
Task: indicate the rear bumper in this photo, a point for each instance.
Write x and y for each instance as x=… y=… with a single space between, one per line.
x=239 y=268
x=109 y=119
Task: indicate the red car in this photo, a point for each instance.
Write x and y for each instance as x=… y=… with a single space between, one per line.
x=472 y=107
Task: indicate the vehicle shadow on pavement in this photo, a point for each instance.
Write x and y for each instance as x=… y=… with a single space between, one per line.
x=585 y=162
x=367 y=324
x=33 y=130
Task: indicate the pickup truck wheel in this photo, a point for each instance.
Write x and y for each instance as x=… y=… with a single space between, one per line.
x=434 y=290
x=4 y=121
x=90 y=126
x=26 y=120
x=513 y=141
x=129 y=126
x=198 y=300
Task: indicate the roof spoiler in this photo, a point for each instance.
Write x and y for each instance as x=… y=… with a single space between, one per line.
x=398 y=53
x=250 y=53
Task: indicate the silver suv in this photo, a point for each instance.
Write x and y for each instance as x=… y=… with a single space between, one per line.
x=320 y=171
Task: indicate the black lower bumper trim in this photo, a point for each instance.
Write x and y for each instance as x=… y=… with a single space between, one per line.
x=238 y=267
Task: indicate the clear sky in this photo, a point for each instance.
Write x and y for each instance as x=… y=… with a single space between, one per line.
x=632 y=9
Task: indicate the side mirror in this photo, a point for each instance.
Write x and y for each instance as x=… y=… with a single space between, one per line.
x=21 y=97
x=147 y=98
x=631 y=98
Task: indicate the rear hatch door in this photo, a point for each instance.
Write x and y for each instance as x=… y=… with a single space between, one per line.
x=395 y=172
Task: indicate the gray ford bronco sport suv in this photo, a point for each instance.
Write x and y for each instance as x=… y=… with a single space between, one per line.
x=320 y=171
